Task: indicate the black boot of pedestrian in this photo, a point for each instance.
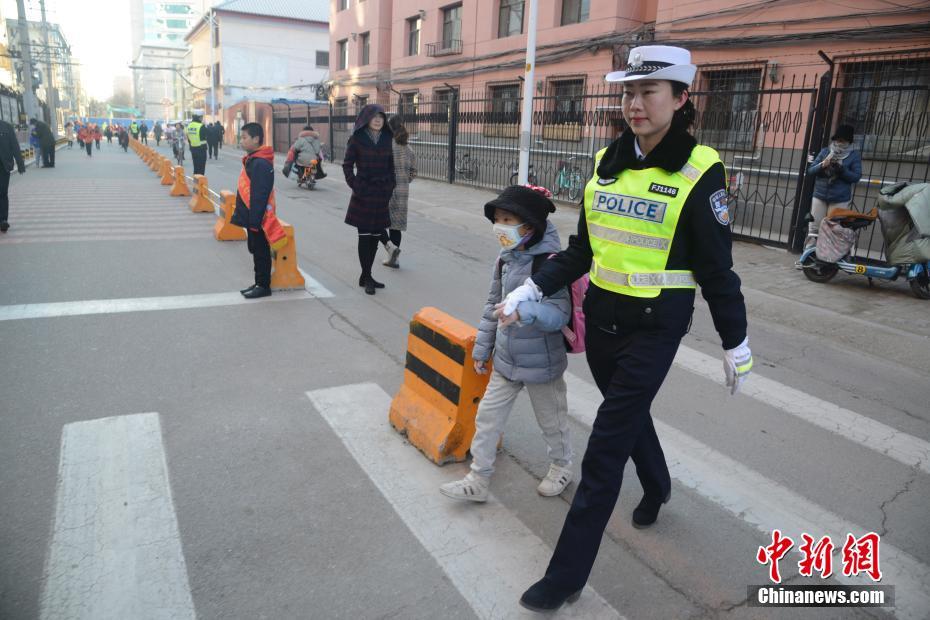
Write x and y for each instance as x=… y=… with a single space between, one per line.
x=246 y=290
x=543 y=596
x=648 y=511
x=363 y=281
x=4 y=226
x=256 y=292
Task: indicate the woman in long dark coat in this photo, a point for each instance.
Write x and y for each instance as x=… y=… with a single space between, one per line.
x=369 y=170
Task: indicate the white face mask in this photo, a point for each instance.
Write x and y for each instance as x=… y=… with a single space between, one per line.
x=508 y=236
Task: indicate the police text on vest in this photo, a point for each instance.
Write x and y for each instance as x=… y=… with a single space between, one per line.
x=629 y=206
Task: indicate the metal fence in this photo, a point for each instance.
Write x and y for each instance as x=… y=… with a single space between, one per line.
x=766 y=135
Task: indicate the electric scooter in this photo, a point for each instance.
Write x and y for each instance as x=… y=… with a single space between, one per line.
x=816 y=270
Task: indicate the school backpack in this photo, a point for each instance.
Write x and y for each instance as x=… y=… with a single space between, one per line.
x=574 y=331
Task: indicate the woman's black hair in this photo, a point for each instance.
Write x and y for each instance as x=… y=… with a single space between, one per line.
x=308 y=128
x=684 y=116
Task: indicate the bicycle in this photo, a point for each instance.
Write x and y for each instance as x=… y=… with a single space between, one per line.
x=466 y=167
x=515 y=174
x=569 y=179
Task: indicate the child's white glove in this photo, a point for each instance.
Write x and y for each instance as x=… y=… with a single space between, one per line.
x=737 y=364
x=528 y=291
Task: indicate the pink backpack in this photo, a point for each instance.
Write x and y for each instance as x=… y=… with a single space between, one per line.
x=575 y=330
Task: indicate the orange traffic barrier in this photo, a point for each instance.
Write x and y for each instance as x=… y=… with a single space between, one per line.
x=158 y=164
x=285 y=275
x=180 y=187
x=167 y=178
x=155 y=161
x=200 y=201
x=438 y=400
x=224 y=229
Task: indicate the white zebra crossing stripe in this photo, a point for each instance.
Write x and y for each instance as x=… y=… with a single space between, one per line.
x=902 y=447
x=764 y=503
x=490 y=566
x=116 y=550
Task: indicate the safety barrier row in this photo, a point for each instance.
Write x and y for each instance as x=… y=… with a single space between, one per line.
x=285 y=273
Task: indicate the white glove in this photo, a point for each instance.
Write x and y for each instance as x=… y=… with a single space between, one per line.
x=528 y=291
x=737 y=364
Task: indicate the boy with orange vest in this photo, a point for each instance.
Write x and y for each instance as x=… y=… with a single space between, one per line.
x=255 y=195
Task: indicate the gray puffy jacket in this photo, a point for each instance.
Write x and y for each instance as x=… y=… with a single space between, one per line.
x=533 y=350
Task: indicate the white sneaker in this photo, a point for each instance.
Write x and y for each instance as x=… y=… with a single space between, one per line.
x=555 y=481
x=473 y=488
x=393 y=252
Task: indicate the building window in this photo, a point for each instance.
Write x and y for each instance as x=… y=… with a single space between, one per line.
x=342 y=5
x=505 y=103
x=575 y=11
x=413 y=36
x=364 y=48
x=341 y=112
x=343 y=54
x=408 y=110
x=510 y=18
x=890 y=122
x=730 y=110
x=322 y=59
x=451 y=26
x=568 y=101
x=180 y=24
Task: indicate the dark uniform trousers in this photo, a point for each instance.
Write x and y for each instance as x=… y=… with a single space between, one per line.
x=629 y=368
x=199 y=157
x=4 y=194
x=261 y=257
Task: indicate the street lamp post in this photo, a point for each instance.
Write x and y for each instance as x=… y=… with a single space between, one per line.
x=529 y=80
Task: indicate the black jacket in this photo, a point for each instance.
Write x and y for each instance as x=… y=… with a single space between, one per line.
x=701 y=244
x=261 y=175
x=44 y=133
x=10 y=153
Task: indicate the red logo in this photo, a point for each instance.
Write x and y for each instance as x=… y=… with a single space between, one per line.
x=860 y=555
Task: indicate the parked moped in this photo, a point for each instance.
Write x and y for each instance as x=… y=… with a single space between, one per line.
x=818 y=270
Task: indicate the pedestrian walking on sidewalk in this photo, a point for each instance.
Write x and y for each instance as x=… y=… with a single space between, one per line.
x=530 y=355
x=46 y=142
x=221 y=132
x=405 y=170
x=254 y=197
x=86 y=136
x=108 y=134
x=69 y=133
x=213 y=139
x=197 y=138
x=78 y=127
x=11 y=157
x=144 y=133
x=98 y=136
x=157 y=131
x=123 y=138
x=654 y=225
x=368 y=166
x=134 y=129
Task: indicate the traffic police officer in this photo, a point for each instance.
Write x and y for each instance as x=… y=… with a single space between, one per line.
x=197 y=138
x=654 y=226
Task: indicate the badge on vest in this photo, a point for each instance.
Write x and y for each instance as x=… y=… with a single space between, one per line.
x=630 y=206
x=665 y=190
x=718 y=202
x=606 y=181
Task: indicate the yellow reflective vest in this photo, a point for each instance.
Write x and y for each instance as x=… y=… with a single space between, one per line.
x=193 y=134
x=631 y=223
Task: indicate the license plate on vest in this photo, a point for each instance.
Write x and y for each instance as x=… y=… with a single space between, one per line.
x=630 y=206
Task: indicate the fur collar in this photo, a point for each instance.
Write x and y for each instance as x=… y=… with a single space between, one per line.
x=671 y=154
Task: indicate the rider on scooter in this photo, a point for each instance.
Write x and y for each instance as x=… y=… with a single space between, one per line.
x=304 y=151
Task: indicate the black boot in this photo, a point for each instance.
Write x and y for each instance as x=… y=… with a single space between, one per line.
x=543 y=596
x=246 y=290
x=648 y=511
x=257 y=291
x=363 y=281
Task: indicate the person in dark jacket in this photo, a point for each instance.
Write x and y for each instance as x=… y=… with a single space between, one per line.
x=12 y=158
x=220 y=132
x=213 y=140
x=368 y=166
x=46 y=142
x=157 y=131
x=654 y=226
x=837 y=168
x=257 y=182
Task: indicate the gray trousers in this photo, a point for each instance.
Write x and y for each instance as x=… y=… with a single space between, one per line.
x=550 y=404
x=819 y=210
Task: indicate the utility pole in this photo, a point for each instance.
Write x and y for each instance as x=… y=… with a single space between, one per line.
x=29 y=97
x=529 y=83
x=212 y=16
x=51 y=92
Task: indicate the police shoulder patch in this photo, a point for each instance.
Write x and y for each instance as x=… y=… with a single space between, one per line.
x=607 y=181
x=718 y=202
